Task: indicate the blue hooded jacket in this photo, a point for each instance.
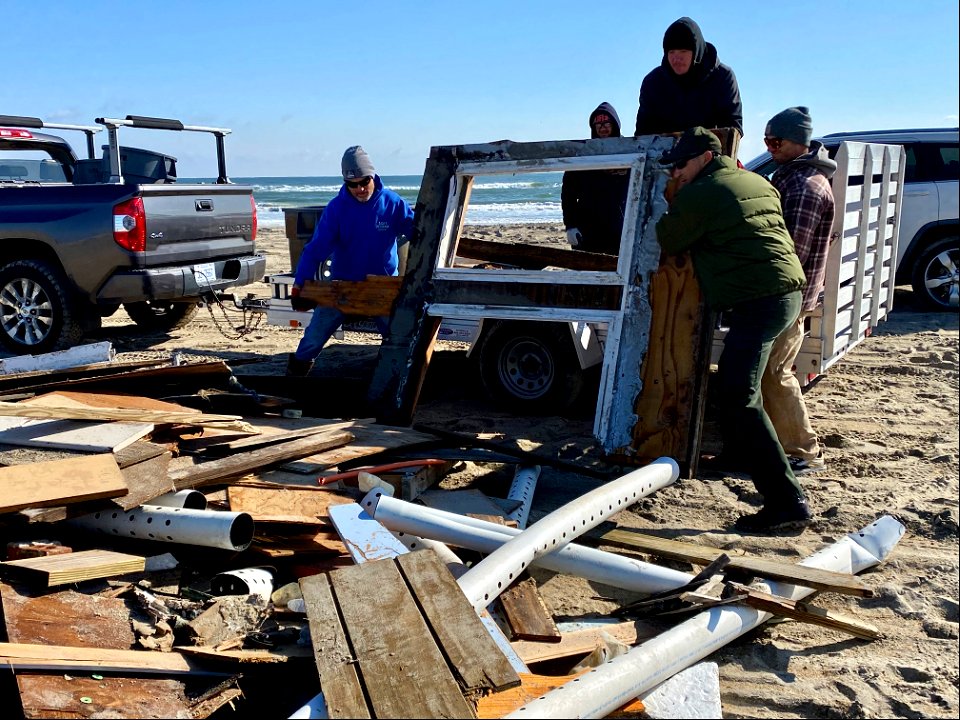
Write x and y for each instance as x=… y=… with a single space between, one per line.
x=362 y=237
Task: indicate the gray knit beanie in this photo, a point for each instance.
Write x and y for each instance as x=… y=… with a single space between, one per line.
x=791 y=124
x=356 y=164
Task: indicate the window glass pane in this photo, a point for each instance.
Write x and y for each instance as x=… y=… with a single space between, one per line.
x=950 y=168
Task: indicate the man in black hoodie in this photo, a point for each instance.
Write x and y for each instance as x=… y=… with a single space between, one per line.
x=690 y=87
x=594 y=201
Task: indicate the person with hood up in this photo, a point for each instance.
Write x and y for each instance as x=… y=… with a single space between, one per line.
x=594 y=201
x=732 y=223
x=690 y=86
x=803 y=180
x=359 y=230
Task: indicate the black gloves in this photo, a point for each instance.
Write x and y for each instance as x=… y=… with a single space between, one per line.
x=300 y=304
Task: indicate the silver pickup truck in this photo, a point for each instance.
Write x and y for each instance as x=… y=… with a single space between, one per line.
x=81 y=237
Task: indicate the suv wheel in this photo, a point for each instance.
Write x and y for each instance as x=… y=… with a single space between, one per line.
x=936 y=275
x=36 y=314
x=531 y=367
x=161 y=315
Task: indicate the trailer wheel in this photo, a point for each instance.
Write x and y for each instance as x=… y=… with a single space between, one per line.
x=530 y=367
x=36 y=312
x=936 y=275
x=161 y=315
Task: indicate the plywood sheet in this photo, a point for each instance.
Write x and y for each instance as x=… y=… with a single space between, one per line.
x=59 y=482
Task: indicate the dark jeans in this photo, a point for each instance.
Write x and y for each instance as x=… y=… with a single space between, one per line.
x=748 y=434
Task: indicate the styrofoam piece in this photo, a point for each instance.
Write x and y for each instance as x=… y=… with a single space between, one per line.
x=315 y=709
x=483 y=536
x=522 y=488
x=189 y=499
x=691 y=693
x=207 y=528
x=244 y=581
x=600 y=692
x=159 y=563
x=74 y=357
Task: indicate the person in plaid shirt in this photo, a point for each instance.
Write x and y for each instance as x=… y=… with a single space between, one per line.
x=803 y=181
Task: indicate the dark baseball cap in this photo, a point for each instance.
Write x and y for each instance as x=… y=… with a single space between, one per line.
x=693 y=142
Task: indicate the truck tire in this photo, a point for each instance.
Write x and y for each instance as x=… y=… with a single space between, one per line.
x=936 y=275
x=161 y=315
x=36 y=311
x=530 y=367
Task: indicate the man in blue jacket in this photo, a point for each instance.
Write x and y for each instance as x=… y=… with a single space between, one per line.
x=359 y=230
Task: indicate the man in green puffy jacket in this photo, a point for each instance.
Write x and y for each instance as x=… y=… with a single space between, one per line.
x=732 y=223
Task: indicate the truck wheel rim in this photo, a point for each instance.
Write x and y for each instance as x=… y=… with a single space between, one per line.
x=942 y=278
x=26 y=311
x=526 y=369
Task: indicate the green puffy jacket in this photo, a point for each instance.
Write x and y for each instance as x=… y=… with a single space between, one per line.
x=731 y=222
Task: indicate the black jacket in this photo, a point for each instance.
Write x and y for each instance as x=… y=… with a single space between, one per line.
x=707 y=95
x=594 y=201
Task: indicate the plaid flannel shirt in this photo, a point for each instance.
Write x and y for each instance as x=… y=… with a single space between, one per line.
x=808 y=209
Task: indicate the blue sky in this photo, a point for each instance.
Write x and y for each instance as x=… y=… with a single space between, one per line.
x=298 y=82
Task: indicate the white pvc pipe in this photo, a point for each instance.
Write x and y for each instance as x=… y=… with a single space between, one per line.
x=522 y=488
x=189 y=499
x=494 y=574
x=207 y=528
x=604 y=689
x=408 y=520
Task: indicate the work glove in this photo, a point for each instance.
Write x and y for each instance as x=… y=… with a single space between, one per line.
x=574 y=237
x=300 y=304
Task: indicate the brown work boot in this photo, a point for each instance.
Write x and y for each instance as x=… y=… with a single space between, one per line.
x=297 y=367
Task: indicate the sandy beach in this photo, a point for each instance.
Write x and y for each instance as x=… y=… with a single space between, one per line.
x=888 y=416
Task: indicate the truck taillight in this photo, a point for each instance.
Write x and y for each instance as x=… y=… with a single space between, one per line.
x=253 y=207
x=130 y=225
x=13 y=132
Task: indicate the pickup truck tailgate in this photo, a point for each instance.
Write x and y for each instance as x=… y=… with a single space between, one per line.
x=187 y=221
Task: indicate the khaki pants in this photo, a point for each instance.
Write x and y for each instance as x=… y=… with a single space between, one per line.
x=782 y=398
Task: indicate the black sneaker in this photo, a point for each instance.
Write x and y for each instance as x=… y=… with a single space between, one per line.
x=802 y=467
x=775 y=519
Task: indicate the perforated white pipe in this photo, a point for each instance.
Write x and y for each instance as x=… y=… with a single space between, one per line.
x=494 y=574
x=522 y=488
x=604 y=689
x=207 y=528
x=408 y=520
x=189 y=499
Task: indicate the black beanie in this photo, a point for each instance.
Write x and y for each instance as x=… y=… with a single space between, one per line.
x=684 y=34
x=791 y=124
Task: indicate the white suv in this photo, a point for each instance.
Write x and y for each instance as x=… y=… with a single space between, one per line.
x=928 y=254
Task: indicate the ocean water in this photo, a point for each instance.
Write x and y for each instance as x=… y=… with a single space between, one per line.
x=501 y=200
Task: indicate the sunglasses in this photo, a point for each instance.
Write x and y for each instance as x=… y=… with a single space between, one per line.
x=680 y=164
x=773 y=143
x=357 y=184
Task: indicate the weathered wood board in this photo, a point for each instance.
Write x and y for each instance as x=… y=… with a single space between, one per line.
x=59 y=482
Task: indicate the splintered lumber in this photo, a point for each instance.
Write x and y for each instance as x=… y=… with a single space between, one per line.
x=59 y=482
x=477 y=661
x=191 y=475
x=259 y=656
x=532 y=686
x=68 y=398
x=806 y=576
x=66 y=412
x=54 y=570
x=336 y=665
x=372 y=297
x=404 y=672
x=582 y=642
x=60 y=658
x=527 y=613
x=284 y=504
x=802 y=612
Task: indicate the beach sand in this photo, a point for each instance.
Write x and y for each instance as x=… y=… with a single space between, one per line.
x=888 y=415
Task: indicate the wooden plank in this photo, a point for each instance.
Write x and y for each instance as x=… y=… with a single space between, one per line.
x=283 y=502
x=477 y=661
x=526 y=612
x=770 y=569
x=335 y=661
x=99 y=437
x=501 y=704
x=72 y=398
x=404 y=672
x=54 y=570
x=230 y=422
x=228 y=447
x=373 y=297
x=280 y=654
x=802 y=612
x=94 y=659
x=533 y=257
x=146 y=480
x=59 y=482
x=582 y=642
x=189 y=475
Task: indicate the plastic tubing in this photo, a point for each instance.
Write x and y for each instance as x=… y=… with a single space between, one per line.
x=522 y=488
